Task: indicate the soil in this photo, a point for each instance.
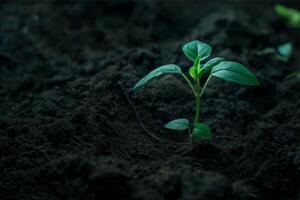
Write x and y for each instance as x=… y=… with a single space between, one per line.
x=71 y=128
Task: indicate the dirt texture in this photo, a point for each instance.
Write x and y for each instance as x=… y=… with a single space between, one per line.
x=71 y=128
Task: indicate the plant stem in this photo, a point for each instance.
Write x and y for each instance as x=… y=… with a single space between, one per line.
x=195 y=94
x=198 y=98
x=205 y=86
x=197 y=114
x=198 y=93
x=189 y=83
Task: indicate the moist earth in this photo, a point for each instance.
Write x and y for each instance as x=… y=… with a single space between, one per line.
x=71 y=127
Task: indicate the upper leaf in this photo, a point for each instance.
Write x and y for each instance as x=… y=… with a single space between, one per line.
x=197 y=64
x=171 y=68
x=201 y=131
x=235 y=72
x=178 y=124
x=193 y=72
x=196 y=48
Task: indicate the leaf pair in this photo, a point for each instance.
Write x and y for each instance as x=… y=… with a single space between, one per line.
x=200 y=130
x=196 y=51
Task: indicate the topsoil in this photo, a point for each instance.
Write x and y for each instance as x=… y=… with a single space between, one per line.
x=71 y=128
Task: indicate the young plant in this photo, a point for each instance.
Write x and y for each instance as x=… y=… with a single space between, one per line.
x=291 y=15
x=294 y=74
x=201 y=74
x=281 y=53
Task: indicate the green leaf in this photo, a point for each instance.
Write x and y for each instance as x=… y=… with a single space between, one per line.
x=193 y=72
x=201 y=131
x=178 y=124
x=211 y=63
x=235 y=72
x=196 y=48
x=197 y=64
x=292 y=15
x=198 y=71
x=171 y=68
x=285 y=49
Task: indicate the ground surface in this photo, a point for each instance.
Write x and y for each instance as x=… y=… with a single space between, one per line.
x=68 y=124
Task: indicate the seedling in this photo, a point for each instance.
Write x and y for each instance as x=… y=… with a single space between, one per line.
x=281 y=53
x=291 y=15
x=201 y=74
x=294 y=74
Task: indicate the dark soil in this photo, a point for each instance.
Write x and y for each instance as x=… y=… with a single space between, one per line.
x=68 y=124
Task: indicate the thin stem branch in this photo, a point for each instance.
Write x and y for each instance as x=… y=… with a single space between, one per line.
x=205 y=86
x=189 y=83
x=143 y=126
x=197 y=114
x=198 y=98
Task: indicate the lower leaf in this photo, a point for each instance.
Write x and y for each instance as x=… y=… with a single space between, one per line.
x=178 y=124
x=201 y=131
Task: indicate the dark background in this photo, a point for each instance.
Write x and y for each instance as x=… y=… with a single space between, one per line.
x=68 y=124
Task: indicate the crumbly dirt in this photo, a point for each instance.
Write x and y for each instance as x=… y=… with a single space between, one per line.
x=70 y=124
